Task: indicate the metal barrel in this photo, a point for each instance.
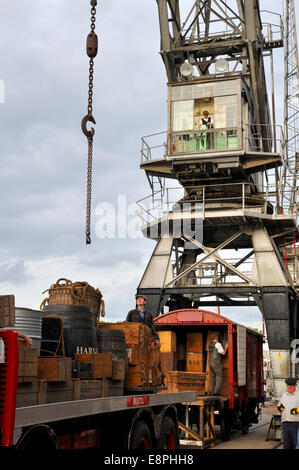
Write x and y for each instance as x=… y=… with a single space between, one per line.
x=79 y=332
x=28 y=322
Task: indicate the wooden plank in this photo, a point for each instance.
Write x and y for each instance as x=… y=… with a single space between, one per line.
x=56 y=369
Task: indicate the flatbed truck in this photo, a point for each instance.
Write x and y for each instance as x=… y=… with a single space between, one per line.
x=140 y=421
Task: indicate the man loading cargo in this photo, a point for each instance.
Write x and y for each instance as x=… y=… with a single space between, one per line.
x=216 y=370
x=140 y=315
x=289 y=408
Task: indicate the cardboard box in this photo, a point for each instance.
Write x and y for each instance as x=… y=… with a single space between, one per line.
x=167 y=341
x=55 y=369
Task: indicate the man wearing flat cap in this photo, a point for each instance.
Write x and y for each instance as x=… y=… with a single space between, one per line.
x=289 y=408
x=140 y=315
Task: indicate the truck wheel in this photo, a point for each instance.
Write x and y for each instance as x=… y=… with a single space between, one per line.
x=169 y=438
x=141 y=437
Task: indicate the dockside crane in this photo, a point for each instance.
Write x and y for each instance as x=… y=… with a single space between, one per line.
x=235 y=176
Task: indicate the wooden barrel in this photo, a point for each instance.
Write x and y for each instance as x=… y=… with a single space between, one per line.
x=112 y=341
x=79 y=332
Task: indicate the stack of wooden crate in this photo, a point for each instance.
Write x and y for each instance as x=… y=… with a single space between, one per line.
x=28 y=364
x=194 y=352
x=181 y=381
x=168 y=351
x=7 y=311
x=144 y=369
x=44 y=380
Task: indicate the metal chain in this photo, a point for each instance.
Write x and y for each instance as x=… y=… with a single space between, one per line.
x=91 y=49
x=89 y=189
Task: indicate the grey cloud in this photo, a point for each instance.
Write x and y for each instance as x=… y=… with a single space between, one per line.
x=14 y=273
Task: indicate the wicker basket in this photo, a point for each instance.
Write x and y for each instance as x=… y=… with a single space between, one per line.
x=180 y=381
x=66 y=292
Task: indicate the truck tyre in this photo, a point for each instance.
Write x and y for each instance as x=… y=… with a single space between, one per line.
x=141 y=437
x=169 y=438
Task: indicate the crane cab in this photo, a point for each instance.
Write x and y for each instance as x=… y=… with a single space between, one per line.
x=231 y=143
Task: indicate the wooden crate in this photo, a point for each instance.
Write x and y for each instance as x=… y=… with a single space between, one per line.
x=61 y=391
x=102 y=363
x=118 y=369
x=82 y=370
x=27 y=367
x=31 y=393
x=178 y=381
x=115 y=388
x=90 y=389
x=167 y=341
x=168 y=361
x=138 y=340
x=138 y=376
x=194 y=362
x=135 y=333
x=55 y=369
x=194 y=342
x=7 y=311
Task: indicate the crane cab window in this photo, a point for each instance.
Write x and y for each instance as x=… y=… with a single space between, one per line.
x=189 y=133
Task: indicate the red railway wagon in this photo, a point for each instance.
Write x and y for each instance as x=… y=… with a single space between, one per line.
x=243 y=384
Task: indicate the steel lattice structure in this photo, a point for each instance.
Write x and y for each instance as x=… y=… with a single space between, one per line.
x=289 y=189
x=226 y=236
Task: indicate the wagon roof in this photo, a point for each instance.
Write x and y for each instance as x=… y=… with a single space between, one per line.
x=190 y=316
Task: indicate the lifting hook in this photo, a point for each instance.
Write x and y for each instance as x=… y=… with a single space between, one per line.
x=88 y=118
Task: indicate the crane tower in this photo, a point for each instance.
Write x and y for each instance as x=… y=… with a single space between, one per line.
x=221 y=231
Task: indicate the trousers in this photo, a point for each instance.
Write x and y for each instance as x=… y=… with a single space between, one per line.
x=290 y=434
x=216 y=377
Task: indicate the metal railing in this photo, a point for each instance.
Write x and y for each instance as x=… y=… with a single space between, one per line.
x=231 y=196
x=264 y=137
x=272 y=31
x=154 y=147
x=251 y=138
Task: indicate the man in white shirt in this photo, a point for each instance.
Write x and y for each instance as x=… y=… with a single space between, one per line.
x=289 y=408
x=206 y=120
x=207 y=123
x=216 y=370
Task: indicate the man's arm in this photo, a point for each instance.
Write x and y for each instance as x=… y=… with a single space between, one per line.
x=129 y=316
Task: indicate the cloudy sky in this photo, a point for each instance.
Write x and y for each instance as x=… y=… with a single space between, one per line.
x=43 y=153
